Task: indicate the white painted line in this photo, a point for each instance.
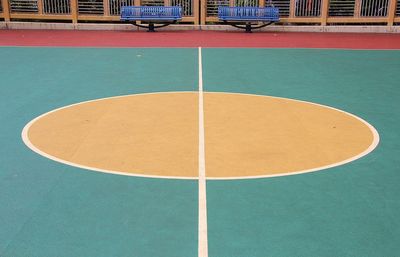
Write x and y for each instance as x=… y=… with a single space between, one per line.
x=203 y=240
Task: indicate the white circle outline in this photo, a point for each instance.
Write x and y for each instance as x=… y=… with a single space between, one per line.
x=30 y=145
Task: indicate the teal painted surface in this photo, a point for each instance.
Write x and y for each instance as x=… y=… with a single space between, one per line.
x=49 y=209
x=351 y=210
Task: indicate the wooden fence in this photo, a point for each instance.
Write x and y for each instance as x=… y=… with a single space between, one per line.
x=311 y=12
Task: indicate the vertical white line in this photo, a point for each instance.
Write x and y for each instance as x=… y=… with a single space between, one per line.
x=203 y=241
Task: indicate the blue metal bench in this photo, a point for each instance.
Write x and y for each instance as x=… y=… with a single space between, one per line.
x=164 y=15
x=237 y=16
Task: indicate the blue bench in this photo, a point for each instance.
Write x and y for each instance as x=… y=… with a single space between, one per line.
x=237 y=16
x=164 y=15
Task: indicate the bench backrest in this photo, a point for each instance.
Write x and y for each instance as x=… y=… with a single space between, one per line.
x=151 y=12
x=248 y=13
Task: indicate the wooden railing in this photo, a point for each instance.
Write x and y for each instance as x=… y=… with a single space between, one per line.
x=312 y=12
x=84 y=10
x=319 y=12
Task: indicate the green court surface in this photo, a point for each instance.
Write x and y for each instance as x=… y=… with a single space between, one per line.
x=50 y=209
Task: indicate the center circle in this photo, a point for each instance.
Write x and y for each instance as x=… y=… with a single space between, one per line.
x=156 y=135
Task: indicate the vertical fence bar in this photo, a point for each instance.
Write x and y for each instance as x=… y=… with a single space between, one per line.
x=6 y=10
x=391 y=12
x=298 y=8
x=370 y=7
x=113 y=8
x=324 y=12
x=74 y=11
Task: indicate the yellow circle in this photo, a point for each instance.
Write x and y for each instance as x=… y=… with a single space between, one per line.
x=156 y=135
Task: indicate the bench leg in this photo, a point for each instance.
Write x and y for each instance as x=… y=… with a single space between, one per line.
x=151 y=27
x=248 y=28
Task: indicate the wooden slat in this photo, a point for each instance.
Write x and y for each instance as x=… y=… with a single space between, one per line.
x=117 y=18
x=88 y=17
x=40 y=16
x=284 y=20
x=356 y=20
x=6 y=10
x=329 y=20
x=300 y=20
x=190 y=19
x=212 y=19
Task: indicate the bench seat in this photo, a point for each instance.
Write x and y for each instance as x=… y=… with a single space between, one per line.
x=247 y=15
x=151 y=14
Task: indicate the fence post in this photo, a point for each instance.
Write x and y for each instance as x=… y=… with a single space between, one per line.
x=196 y=11
x=357 y=9
x=292 y=9
x=391 y=12
x=137 y=3
x=6 y=10
x=324 y=12
x=40 y=6
x=106 y=7
x=203 y=11
x=74 y=11
x=261 y=3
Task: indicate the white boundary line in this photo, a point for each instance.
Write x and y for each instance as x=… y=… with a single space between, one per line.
x=28 y=143
x=203 y=240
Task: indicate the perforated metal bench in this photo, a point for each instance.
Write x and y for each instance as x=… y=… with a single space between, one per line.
x=245 y=17
x=151 y=15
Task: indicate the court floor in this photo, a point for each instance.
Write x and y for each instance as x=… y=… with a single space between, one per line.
x=48 y=208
